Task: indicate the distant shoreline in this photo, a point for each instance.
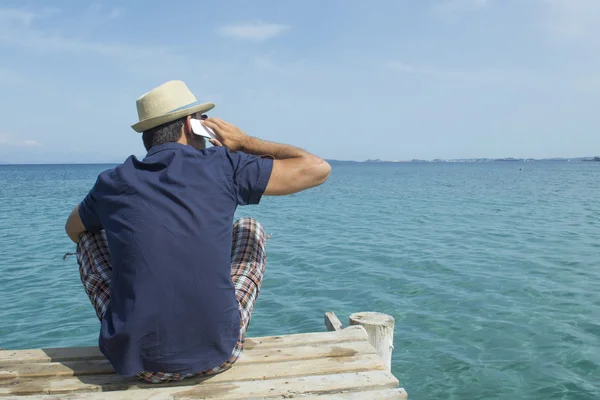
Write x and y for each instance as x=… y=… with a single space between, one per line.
x=376 y=161
x=480 y=160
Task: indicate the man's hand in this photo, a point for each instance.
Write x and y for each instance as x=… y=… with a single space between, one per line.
x=228 y=135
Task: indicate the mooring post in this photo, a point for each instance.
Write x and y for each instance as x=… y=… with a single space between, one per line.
x=380 y=328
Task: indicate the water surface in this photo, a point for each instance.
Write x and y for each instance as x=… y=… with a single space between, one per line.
x=491 y=270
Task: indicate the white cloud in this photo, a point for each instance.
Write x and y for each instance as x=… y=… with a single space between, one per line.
x=432 y=73
x=257 y=31
x=18 y=28
x=571 y=19
x=116 y=13
x=14 y=16
x=461 y=76
x=98 y=13
x=270 y=64
x=10 y=77
x=533 y=79
x=428 y=71
x=403 y=67
x=454 y=9
x=8 y=141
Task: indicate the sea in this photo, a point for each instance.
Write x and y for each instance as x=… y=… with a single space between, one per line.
x=491 y=270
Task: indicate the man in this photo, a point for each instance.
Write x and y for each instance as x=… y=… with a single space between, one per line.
x=172 y=279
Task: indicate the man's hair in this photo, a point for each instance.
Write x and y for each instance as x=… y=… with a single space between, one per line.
x=165 y=133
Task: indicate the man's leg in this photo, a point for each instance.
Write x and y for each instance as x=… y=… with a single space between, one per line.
x=95 y=269
x=248 y=262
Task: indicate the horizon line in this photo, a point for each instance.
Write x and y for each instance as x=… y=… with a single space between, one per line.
x=371 y=160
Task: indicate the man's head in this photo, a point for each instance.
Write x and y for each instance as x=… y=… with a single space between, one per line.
x=178 y=131
x=164 y=115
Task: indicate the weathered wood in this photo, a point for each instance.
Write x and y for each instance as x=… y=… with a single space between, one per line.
x=306 y=339
x=380 y=329
x=65 y=368
x=260 y=389
x=267 y=342
x=46 y=355
x=390 y=394
x=332 y=365
x=332 y=322
x=257 y=355
x=247 y=372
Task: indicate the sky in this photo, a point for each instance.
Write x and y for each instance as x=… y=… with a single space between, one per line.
x=344 y=79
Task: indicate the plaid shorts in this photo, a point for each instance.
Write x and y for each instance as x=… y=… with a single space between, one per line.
x=248 y=261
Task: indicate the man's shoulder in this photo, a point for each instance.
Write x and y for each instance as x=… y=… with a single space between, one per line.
x=116 y=172
x=118 y=167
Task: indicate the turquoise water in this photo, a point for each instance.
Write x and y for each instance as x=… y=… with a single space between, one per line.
x=491 y=270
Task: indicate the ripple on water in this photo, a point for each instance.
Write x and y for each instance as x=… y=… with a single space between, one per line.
x=490 y=271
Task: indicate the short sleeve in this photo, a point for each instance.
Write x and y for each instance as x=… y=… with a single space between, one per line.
x=250 y=177
x=88 y=211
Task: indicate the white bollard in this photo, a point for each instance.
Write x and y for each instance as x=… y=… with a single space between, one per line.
x=380 y=328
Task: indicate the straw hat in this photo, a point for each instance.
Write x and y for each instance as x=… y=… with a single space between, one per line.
x=170 y=101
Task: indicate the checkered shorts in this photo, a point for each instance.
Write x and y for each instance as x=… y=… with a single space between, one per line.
x=248 y=261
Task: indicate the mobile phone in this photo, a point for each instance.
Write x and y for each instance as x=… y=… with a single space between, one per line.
x=201 y=130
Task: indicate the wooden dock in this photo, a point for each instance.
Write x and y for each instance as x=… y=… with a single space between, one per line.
x=340 y=364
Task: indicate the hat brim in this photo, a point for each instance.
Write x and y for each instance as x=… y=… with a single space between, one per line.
x=172 y=116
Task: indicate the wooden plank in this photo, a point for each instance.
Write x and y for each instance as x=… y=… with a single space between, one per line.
x=46 y=355
x=255 y=356
x=389 y=394
x=260 y=354
x=247 y=372
x=93 y=353
x=332 y=322
x=347 y=335
x=65 y=368
x=261 y=389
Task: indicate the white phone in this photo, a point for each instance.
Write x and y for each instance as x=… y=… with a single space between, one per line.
x=201 y=130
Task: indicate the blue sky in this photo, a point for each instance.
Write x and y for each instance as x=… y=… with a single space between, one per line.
x=398 y=79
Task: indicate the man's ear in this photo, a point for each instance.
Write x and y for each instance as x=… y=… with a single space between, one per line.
x=187 y=128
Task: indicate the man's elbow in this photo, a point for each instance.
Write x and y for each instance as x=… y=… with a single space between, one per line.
x=319 y=171
x=324 y=171
x=74 y=236
x=74 y=227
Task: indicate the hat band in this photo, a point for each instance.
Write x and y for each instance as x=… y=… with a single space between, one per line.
x=195 y=103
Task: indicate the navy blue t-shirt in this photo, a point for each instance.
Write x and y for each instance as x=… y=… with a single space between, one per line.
x=169 y=224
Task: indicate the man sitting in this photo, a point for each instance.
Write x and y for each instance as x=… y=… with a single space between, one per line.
x=172 y=279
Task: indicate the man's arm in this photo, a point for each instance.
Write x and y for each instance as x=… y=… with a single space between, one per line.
x=74 y=226
x=294 y=169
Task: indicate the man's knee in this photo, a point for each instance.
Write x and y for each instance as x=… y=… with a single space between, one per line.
x=251 y=224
